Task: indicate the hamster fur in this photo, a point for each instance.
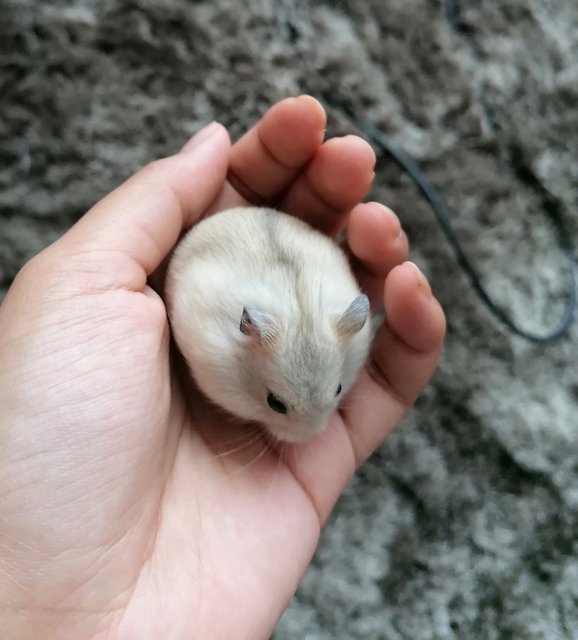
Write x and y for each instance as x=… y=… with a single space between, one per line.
x=269 y=318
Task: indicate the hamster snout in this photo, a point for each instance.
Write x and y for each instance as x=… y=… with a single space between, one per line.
x=298 y=432
x=269 y=318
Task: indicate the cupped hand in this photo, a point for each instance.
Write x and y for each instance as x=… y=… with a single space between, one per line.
x=129 y=508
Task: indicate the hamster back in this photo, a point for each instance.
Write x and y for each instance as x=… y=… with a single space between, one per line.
x=268 y=317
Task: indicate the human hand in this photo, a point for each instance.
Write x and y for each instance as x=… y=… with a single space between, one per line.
x=121 y=515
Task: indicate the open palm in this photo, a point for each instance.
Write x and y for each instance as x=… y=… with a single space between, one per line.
x=129 y=507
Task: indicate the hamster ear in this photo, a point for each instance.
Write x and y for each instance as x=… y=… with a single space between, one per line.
x=259 y=325
x=355 y=316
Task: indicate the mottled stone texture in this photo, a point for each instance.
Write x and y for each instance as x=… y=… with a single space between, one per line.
x=464 y=524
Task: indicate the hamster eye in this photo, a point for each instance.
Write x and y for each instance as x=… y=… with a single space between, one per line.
x=276 y=404
x=338 y=391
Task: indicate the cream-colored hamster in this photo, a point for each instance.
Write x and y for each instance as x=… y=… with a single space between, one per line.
x=269 y=318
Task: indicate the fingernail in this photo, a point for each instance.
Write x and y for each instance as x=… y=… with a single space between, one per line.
x=422 y=283
x=306 y=96
x=201 y=136
x=365 y=143
x=396 y=230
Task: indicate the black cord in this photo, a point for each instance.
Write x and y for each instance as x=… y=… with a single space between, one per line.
x=443 y=216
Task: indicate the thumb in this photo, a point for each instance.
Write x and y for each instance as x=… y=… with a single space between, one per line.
x=144 y=217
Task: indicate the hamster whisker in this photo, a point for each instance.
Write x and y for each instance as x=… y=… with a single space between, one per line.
x=267 y=448
x=281 y=453
x=295 y=457
x=243 y=445
x=241 y=435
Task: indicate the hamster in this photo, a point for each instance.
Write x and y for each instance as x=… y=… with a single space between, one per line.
x=269 y=318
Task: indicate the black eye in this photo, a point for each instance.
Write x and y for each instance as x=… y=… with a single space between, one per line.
x=276 y=404
x=338 y=391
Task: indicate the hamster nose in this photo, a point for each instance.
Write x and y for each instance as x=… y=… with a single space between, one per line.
x=298 y=435
x=299 y=431
x=312 y=429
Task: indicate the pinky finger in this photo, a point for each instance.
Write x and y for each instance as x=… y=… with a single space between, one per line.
x=404 y=356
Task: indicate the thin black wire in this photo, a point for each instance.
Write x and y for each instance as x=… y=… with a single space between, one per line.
x=443 y=216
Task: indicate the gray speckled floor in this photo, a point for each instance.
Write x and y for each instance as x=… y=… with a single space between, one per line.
x=464 y=524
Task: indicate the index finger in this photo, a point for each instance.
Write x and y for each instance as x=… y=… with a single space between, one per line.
x=268 y=158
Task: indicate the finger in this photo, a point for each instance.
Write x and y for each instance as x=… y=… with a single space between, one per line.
x=338 y=177
x=376 y=244
x=267 y=158
x=140 y=222
x=403 y=358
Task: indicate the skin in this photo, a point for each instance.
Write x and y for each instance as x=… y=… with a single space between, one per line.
x=129 y=508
